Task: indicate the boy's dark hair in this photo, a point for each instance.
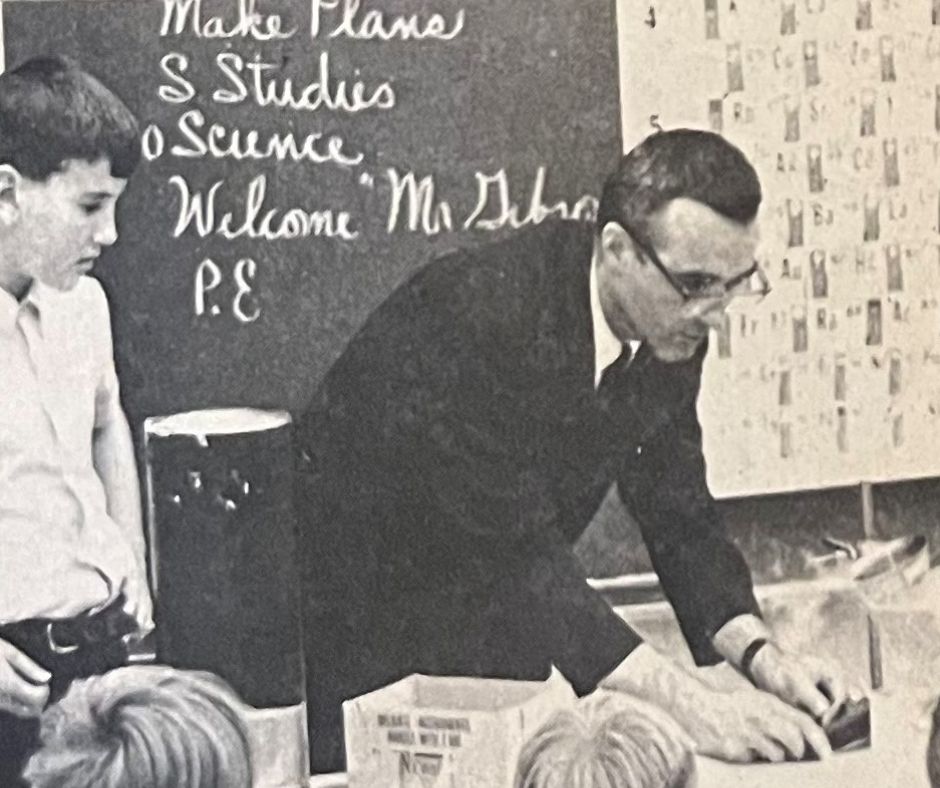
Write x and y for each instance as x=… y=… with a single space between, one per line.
x=52 y=112
x=696 y=165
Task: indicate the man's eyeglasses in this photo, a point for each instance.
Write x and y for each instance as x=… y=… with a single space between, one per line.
x=752 y=283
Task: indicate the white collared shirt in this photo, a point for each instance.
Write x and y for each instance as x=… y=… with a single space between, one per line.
x=607 y=348
x=59 y=549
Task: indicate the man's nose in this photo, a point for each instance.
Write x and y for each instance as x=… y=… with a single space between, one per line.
x=712 y=314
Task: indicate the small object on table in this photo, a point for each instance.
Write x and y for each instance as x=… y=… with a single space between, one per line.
x=851 y=727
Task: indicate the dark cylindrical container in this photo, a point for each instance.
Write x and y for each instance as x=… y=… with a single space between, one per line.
x=222 y=536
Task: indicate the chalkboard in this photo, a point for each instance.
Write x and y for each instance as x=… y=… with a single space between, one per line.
x=303 y=156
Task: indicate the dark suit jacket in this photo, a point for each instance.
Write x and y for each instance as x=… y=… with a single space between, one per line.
x=456 y=451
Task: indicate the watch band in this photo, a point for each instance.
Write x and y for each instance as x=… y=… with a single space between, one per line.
x=747 y=658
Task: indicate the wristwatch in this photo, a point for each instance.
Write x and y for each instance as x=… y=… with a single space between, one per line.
x=747 y=658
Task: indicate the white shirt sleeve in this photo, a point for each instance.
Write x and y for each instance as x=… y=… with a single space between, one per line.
x=107 y=391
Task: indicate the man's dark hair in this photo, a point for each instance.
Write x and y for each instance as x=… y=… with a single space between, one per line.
x=52 y=112
x=696 y=165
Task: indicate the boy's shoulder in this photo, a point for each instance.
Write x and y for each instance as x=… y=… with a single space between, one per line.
x=89 y=290
x=77 y=317
x=86 y=298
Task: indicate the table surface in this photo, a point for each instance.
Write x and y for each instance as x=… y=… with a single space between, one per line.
x=897 y=757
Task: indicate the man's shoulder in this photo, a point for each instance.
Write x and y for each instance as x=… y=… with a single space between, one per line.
x=482 y=301
x=552 y=238
x=524 y=263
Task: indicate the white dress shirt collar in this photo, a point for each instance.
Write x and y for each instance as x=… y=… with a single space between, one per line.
x=11 y=308
x=607 y=348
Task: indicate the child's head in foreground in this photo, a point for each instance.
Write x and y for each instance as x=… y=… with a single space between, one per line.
x=143 y=726
x=608 y=740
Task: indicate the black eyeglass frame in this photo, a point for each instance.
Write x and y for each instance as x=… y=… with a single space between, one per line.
x=688 y=294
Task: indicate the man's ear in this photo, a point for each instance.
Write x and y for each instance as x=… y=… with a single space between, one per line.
x=615 y=241
x=10 y=183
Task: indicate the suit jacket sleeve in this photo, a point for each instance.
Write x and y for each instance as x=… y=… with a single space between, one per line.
x=702 y=572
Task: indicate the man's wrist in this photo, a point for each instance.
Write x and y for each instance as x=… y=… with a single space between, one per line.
x=763 y=662
x=733 y=639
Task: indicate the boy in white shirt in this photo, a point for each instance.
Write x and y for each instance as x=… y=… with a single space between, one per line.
x=72 y=555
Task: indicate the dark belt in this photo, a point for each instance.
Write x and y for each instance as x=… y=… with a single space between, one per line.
x=41 y=637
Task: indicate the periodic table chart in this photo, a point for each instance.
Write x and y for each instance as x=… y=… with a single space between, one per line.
x=834 y=378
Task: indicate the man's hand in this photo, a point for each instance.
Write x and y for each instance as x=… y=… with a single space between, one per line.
x=740 y=725
x=746 y=725
x=24 y=685
x=804 y=682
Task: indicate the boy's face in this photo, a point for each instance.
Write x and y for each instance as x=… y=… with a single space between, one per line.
x=64 y=222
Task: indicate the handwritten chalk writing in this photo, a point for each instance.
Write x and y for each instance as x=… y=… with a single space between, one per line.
x=180 y=14
x=377 y=25
x=423 y=211
x=507 y=212
x=198 y=210
x=245 y=270
x=208 y=278
x=173 y=65
x=324 y=92
x=152 y=142
x=220 y=142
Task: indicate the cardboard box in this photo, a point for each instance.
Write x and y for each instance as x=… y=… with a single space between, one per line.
x=430 y=731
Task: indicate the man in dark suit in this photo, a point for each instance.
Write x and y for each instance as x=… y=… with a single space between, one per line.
x=469 y=431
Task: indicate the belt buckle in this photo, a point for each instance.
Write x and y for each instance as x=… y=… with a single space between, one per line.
x=54 y=646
